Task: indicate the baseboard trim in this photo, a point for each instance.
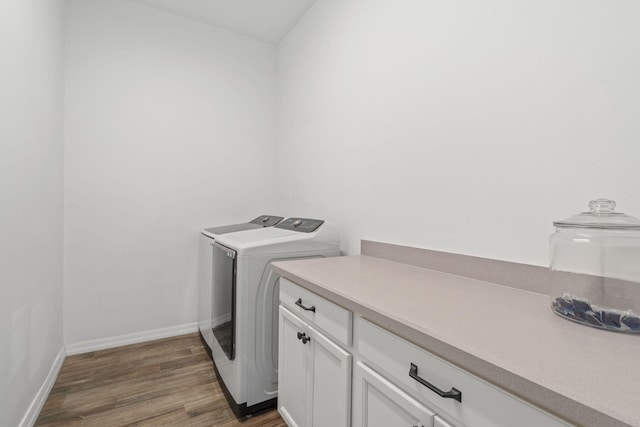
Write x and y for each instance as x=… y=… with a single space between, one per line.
x=134 y=338
x=32 y=413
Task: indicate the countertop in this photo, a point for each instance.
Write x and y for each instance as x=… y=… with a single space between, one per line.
x=504 y=335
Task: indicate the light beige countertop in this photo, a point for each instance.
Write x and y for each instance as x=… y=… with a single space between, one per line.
x=504 y=335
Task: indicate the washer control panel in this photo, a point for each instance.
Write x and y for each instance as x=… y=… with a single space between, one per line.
x=267 y=220
x=303 y=225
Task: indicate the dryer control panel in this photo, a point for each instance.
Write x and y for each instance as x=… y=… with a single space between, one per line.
x=303 y=225
x=266 y=220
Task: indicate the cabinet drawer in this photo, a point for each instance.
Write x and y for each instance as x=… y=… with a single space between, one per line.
x=332 y=319
x=482 y=404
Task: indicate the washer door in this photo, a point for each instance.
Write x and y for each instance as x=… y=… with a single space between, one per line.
x=224 y=290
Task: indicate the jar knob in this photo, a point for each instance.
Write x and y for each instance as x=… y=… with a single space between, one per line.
x=601 y=206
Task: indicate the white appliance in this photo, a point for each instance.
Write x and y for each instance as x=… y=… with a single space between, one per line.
x=211 y=306
x=245 y=349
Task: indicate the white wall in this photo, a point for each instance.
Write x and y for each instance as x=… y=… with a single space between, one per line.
x=170 y=127
x=461 y=126
x=31 y=138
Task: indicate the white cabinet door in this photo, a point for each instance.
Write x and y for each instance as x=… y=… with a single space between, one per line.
x=314 y=376
x=379 y=403
x=330 y=381
x=292 y=371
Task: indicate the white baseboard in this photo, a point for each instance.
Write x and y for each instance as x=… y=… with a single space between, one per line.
x=32 y=413
x=134 y=338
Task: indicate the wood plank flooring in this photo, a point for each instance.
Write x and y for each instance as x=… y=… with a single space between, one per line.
x=165 y=382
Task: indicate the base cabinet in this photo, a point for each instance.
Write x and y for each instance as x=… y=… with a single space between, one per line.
x=395 y=383
x=314 y=376
x=379 y=403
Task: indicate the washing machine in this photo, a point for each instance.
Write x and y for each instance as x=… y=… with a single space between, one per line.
x=211 y=304
x=245 y=353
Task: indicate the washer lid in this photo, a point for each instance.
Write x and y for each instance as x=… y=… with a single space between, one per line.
x=259 y=236
x=225 y=229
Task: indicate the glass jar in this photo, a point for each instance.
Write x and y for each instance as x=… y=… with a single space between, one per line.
x=595 y=268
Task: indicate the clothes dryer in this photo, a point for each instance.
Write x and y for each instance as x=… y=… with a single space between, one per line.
x=211 y=305
x=246 y=356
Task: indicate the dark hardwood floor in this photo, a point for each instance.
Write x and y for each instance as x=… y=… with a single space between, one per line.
x=165 y=382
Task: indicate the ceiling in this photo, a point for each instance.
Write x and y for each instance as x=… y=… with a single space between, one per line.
x=267 y=20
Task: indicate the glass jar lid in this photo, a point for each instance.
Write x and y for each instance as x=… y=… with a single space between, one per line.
x=602 y=215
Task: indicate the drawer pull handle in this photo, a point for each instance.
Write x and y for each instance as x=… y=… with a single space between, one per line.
x=454 y=393
x=303 y=336
x=299 y=304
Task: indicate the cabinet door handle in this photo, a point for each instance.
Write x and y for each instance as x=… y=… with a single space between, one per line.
x=454 y=393
x=303 y=336
x=299 y=304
